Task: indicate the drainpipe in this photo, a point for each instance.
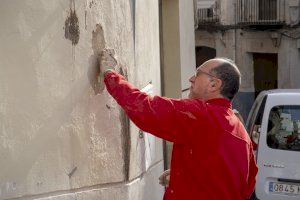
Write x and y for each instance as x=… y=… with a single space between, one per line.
x=162 y=80
x=161 y=49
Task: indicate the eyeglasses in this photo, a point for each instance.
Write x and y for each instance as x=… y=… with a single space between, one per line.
x=199 y=71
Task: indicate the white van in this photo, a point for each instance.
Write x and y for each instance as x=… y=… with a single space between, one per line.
x=274 y=127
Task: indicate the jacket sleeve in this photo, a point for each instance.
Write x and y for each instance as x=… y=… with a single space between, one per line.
x=157 y=115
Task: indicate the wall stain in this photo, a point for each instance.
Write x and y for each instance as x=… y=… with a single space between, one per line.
x=92 y=3
x=72 y=172
x=72 y=31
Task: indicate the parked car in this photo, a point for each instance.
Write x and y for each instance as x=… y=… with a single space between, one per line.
x=274 y=127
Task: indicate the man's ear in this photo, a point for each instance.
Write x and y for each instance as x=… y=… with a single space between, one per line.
x=215 y=84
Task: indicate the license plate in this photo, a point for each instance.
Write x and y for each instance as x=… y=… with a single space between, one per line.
x=284 y=188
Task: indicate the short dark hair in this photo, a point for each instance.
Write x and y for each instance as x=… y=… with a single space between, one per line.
x=230 y=75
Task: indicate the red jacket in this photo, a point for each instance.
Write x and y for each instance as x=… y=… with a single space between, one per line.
x=212 y=154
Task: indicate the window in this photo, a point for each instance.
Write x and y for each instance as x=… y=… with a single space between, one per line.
x=284 y=128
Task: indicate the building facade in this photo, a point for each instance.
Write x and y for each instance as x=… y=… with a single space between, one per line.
x=261 y=36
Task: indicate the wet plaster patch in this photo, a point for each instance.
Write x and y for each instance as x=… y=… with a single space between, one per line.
x=98 y=44
x=98 y=40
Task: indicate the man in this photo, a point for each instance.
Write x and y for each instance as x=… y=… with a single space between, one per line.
x=212 y=153
x=164 y=178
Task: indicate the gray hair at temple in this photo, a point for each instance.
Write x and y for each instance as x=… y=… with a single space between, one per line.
x=230 y=75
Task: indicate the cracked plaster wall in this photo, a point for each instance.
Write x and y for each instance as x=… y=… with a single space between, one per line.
x=61 y=134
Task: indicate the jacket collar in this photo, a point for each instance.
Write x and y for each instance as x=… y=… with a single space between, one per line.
x=221 y=102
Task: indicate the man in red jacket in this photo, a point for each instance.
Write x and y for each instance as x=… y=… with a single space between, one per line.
x=212 y=156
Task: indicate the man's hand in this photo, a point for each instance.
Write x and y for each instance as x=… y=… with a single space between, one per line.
x=107 y=61
x=164 y=179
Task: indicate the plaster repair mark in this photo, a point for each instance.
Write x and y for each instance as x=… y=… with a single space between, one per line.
x=98 y=41
x=98 y=44
x=72 y=27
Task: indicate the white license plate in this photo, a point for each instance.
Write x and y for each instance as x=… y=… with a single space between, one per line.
x=284 y=188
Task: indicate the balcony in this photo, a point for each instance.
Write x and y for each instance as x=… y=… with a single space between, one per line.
x=206 y=16
x=260 y=12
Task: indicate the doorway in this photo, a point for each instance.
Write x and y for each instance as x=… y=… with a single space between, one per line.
x=203 y=54
x=265 y=66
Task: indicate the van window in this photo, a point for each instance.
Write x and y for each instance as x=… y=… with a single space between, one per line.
x=257 y=114
x=252 y=115
x=284 y=128
x=255 y=121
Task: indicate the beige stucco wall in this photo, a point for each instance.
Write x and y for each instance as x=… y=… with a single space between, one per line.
x=61 y=134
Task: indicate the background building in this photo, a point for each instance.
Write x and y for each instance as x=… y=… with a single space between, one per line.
x=61 y=134
x=261 y=36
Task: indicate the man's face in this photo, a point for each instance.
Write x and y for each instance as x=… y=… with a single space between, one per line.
x=202 y=81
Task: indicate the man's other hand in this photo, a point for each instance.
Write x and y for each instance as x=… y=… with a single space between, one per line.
x=164 y=179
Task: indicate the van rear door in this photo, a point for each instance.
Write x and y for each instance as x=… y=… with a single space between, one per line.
x=278 y=155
